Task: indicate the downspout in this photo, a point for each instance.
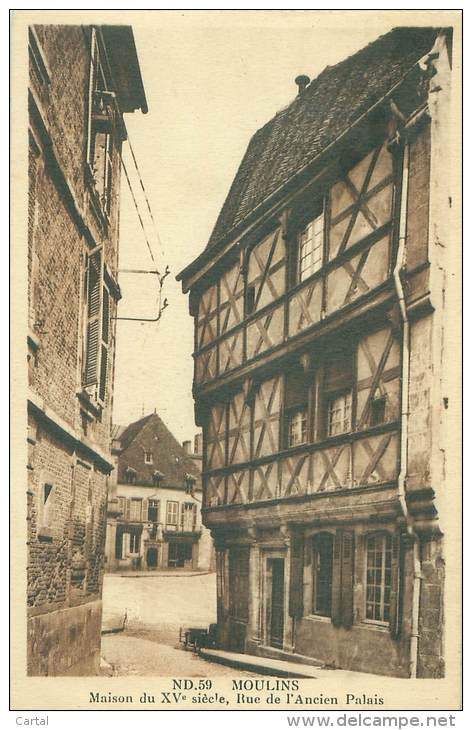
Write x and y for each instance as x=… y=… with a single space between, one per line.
x=405 y=412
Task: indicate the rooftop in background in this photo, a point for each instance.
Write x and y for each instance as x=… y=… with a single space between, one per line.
x=325 y=109
x=147 y=447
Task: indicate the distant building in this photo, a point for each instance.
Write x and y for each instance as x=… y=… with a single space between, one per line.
x=82 y=79
x=154 y=513
x=321 y=307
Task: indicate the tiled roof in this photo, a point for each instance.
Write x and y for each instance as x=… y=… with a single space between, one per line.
x=329 y=105
x=151 y=434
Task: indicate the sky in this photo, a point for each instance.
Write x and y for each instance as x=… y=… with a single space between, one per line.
x=211 y=80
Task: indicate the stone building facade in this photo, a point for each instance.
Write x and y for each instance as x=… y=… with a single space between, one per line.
x=154 y=514
x=320 y=307
x=82 y=81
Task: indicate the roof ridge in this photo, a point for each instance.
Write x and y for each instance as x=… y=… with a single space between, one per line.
x=370 y=71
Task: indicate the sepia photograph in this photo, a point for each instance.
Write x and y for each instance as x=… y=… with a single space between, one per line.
x=236 y=264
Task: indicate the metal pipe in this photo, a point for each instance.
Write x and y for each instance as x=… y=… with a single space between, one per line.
x=405 y=412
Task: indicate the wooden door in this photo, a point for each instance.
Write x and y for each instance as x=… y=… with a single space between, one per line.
x=277 y=603
x=238 y=597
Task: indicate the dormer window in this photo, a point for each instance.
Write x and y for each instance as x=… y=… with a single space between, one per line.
x=130 y=475
x=157 y=478
x=190 y=482
x=148 y=457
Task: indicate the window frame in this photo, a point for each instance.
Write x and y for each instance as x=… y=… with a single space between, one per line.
x=169 y=511
x=330 y=400
x=135 y=500
x=98 y=83
x=304 y=406
x=134 y=541
x=318 y=212
x=156 y=505
x=147 y=460
x=46 y=517
x=384 y=536
x=318 y=612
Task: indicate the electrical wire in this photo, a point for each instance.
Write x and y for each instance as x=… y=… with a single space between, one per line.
x=145 y=194
x=137 y=211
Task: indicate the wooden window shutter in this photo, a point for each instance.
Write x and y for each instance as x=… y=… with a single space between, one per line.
x=94 y=296
x=296 y=577
x=127 y=508
x=144 y=510
x=336 y=617
x=396 y=589
x=347 y=578
x=194 y=507
x=105 y=336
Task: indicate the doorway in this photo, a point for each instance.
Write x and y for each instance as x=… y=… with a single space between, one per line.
x=276 y=623
x=151 y=558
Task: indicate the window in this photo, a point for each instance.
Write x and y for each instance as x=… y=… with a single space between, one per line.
x=339 y=414
x=100 y=126
x=337 y=392
x=130 y=475
x=153 y=510
x=172 y=514
x=298 y=432
x=46 y=510
x=322 y=573
x=297 y=389
x=97 y=336
x=134 y=542
x=310 y=247
x=135 y=510
x=250 y=299
x=148 y=457
x=157 y=478
x=377 y=412
x=190 y=482
x=378 y=578
x=189 y=516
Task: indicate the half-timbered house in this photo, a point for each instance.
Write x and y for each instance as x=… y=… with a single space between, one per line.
x=319 y=304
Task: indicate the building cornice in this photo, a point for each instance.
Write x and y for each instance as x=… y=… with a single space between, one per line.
x=38 y=408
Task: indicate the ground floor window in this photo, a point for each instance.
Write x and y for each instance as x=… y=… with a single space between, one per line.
x=179 y=554
x=322 y=573
x=378 y=577
x=128 y=542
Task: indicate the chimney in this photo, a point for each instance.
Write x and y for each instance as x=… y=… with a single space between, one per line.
x=187 y=447
x=302 y=82
x=198 y=445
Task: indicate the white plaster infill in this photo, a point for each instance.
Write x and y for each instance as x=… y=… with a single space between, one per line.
x=38 y=407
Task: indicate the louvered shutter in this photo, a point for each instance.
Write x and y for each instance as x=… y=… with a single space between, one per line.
x=127 y=508
x=336 y=589
x=144 y=510
x=396 y=588
x=194 y=516
x=94 y=292
x=295 y=608
x=347 y=579
x=105 y=336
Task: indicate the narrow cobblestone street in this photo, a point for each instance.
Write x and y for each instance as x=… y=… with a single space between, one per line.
x=156 y=607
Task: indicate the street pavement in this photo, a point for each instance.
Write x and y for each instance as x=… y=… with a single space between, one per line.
x=156 y=607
